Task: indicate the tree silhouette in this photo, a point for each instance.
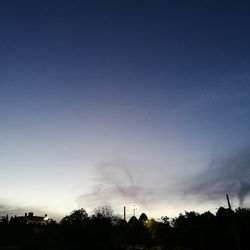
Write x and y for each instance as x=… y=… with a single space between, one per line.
x=76 y=218
x=103 y=230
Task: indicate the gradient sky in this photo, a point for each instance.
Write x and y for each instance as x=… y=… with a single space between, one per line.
x=120 y=103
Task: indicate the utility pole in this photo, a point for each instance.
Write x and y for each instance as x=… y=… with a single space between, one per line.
x=124 y=213
x=228 y=202
x=233 y=224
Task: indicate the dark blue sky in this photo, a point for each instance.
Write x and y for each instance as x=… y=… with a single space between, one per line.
x=153 y=87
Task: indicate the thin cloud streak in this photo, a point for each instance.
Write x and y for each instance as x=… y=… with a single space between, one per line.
x=225 y=175
x=15 y=209
x=12 y=209
x=115 y=181
x=119 y=184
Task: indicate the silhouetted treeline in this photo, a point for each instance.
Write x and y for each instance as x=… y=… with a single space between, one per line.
x=226 y=229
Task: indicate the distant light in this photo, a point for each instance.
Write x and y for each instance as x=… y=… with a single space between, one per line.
x=134 y=208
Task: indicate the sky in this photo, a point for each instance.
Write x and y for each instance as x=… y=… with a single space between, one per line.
x=124 y=103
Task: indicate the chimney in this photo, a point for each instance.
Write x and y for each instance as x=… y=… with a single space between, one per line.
x=31 y=214
x=25 y=214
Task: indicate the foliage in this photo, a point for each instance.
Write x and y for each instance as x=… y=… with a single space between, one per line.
x=76 y=218
x=226 y=229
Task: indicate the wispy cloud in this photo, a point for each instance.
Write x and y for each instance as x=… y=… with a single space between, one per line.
x=115 y=181
x=13 y=209
x=230 y=174
x=231 y=90
x=10 y=208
